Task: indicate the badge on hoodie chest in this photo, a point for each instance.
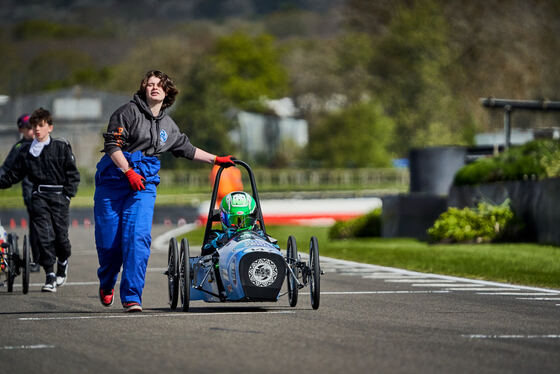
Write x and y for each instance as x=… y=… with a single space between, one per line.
x=163 y=136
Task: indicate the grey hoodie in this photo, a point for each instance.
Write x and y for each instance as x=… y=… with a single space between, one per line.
x=133 y=128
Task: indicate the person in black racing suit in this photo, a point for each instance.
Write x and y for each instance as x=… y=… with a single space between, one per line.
x=50 y=165
x=26 y=132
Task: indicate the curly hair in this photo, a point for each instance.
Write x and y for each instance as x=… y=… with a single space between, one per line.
x=166 y=83
x=39 y=115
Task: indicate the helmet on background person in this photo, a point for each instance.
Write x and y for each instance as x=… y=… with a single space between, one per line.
x=23 y=121
x=238 y=211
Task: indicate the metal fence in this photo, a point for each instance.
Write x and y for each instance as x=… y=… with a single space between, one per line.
x=272 y=179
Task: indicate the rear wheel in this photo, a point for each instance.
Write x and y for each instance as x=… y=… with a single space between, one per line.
x=314 y=273
x=25 y=266
x=292 y=271
x=172 y=273
x=185 y=274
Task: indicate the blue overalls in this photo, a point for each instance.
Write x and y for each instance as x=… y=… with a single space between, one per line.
x=123 y=224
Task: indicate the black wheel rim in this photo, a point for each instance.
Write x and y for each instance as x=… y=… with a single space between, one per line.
x=184 y=275
x=11 y=263
x=315 y=273
x=291 y=253
x=25 y=273
x=172 y=265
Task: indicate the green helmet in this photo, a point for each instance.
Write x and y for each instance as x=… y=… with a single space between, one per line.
x=238 y=211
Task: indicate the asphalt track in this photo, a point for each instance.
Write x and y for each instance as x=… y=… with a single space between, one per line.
x=371 y=320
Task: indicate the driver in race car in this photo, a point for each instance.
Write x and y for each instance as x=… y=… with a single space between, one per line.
x=237 y=214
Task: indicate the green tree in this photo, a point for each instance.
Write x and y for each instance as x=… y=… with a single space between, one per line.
x=45 y=29
x=323 y=72
x=236 y=73
x=356 y=136
x=201 y=110
x=54 y=69
x=354 y=54
x=411 y=66
x=248 y=68
x=172 y=55
x=12 y=64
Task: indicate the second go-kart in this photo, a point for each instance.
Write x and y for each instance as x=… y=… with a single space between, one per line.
x=12 y=263
x=250 y=267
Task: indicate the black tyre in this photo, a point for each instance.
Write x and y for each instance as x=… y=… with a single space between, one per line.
x=292 y=271
x=185 y=275
x=25 y=266
x=314 y=273
x=172 y=273
x=12 y=263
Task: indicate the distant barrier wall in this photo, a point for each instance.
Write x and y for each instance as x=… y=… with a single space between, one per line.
x=410 y=215
x=537 y=203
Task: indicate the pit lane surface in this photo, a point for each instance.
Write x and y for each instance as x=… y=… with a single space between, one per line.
x=371 y=319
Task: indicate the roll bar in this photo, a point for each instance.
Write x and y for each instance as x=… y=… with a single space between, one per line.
x=214 y=214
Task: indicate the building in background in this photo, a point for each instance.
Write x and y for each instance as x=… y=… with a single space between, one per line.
x=262 y=136
x=518 y=136
x=80 y=116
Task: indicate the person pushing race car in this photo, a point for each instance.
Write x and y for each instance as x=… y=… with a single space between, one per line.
x=125 y=185
x=237 y=214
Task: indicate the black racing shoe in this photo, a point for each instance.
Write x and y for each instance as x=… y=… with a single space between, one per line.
x=50 y=283
x=61 y=273
x=34 y=267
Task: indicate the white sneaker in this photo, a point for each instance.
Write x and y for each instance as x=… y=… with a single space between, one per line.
x=61 y=273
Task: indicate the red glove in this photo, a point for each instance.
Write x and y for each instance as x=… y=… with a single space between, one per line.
x=136 y=180
x=225 y=161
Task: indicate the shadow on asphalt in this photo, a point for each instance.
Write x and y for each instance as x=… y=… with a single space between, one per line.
x=215 y=310
x=116 y=310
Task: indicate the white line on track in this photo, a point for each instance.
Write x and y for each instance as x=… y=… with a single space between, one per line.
x=481 y=336
x=518 y=293
x=149 y=315
x=538 y=298
x=382 y=275
x=374 y=292
x=161 y=242
x=396 y=272
x=366 y=272
x=156 y=270
x=476 y=289
x=400 y=280
x=65 y=284
x=441 y=285
x=36 y=346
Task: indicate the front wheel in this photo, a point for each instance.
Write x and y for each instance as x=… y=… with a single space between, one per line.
x=25 y=267
x=12 y=263
x=314 y=273
x=185 y=274
x=292 y=271
x=172 y=273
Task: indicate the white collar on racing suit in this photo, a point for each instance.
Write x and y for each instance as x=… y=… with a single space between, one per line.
x=37 y=146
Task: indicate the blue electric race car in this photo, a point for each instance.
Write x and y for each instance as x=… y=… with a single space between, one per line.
x=248 y=268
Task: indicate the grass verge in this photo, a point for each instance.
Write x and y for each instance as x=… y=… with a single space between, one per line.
x=520 y=263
